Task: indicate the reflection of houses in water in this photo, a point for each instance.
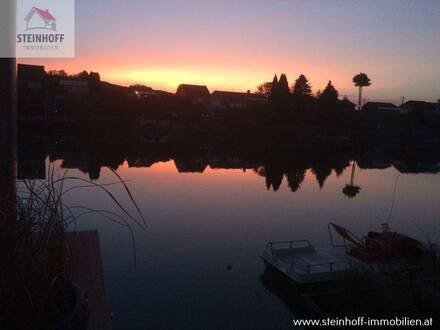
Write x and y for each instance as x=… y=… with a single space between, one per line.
x=31 y=155
x=375 y=160
x=84 y=164
x=190 y=164
x=417 y=166
x=145 y=162
x=288 y=165
x=405 y=161
x=31 y=168
x=232 y=162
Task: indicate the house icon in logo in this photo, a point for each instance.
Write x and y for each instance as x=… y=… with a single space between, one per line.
x=40 y=19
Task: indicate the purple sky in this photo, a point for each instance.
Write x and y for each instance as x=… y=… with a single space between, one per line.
x=238 y=44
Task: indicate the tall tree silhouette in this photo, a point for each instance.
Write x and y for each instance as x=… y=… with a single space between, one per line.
x=361 y=80
x=283 y=90
x=280 y=93
x=295 y=178
x=321 y=173
x=274 y=174
x=274 y=90
x=328 y=98
x=302 y=87
x=283 y=85
x=330 y=93
x=302 y=93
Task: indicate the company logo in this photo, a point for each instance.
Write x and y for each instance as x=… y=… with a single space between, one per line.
x=40 y=19
x=45 y=28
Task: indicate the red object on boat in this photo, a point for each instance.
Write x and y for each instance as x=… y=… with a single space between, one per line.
x=384 y=246
x=388 y=246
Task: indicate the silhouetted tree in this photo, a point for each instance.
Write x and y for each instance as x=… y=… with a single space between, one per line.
x=274 y=174
x=302 y=87
x=329 y=96
x=94 y=76
x=57 y=73
x=283 y=90
x=302 y=93
x=274 y=91
x=279 y=92
x=295 y=178
x=361 y=80
x=340 y=166
x=330 y=93
x=321 y=173
x=264 y=89
x=84 y=75
x=283 y=85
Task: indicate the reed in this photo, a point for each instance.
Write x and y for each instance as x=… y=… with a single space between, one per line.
x=37 y=275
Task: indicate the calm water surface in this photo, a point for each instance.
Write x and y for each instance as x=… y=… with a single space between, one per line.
x=201 y=224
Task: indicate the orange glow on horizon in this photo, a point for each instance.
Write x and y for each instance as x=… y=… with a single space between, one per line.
x=167 y=73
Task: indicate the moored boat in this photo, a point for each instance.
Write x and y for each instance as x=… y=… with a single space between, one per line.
x=379 y=254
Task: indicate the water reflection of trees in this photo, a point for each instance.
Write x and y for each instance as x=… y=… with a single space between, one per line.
x=350 y=190
x=276 y=165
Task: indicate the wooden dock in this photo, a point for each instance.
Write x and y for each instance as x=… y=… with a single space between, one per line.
x=89 y=275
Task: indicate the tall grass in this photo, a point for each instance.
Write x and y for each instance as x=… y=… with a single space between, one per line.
x=38 y=251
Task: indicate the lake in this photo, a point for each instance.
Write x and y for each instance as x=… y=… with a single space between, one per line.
x=197 y=265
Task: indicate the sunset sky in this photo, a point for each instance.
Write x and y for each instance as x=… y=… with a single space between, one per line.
x=235 y=45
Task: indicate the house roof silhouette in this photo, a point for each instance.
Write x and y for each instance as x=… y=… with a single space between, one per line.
x=373 y=106
x=236 y=95
x=44 y=14
x=420 y=105
x=30 y=72
x=193 y=91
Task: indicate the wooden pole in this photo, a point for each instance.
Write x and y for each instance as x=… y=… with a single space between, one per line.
x=8 y=124
x=360 y=99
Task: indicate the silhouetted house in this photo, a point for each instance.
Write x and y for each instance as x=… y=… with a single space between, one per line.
x=235 y=100
x=142 y=92
x=31 y=91
x=421 y=107
x=347 y=104
x=70 y=97
x=71 y=89
x=145 y=94
x=380 y=110
x=195 y=93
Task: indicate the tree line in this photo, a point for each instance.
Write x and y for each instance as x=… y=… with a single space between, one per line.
x=299 y=95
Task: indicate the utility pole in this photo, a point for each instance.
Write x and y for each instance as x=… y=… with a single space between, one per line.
x=8 y=121
x=403 y=100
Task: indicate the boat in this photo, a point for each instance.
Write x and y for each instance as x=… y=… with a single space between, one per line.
x=305 y=264
x=379 y=254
